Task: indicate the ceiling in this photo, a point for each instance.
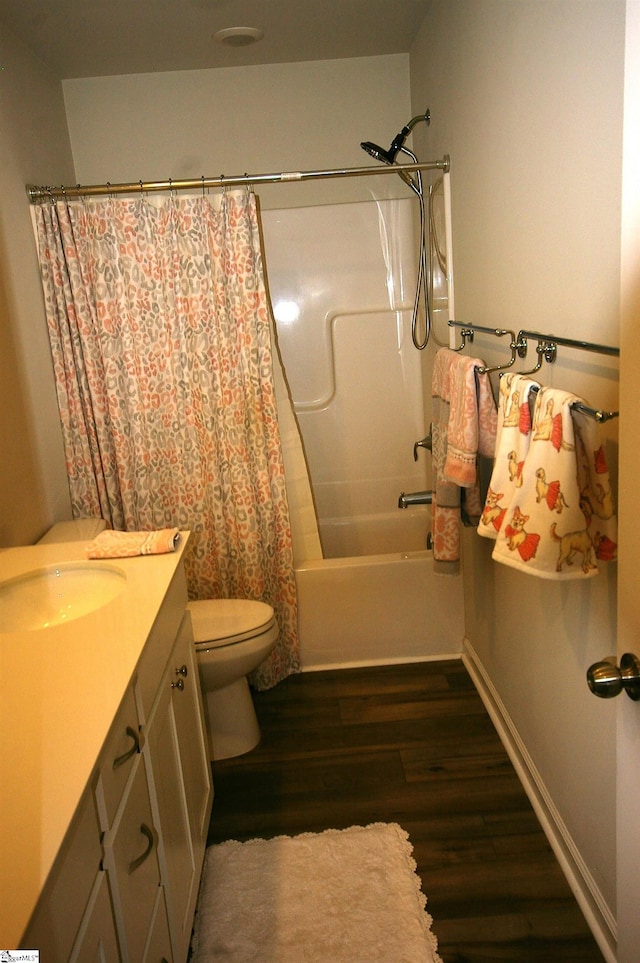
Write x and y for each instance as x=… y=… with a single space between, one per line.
x=90 y=38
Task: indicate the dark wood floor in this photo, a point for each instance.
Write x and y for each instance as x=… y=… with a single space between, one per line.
x=411 y=744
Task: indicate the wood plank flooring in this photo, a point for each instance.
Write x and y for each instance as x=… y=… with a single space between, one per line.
x=411 y=744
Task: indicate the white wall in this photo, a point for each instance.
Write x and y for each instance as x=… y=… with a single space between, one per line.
x=279 y=117
x=33 y=144
x=527 y=98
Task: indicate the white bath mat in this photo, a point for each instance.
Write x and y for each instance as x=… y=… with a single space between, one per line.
x=341 y=896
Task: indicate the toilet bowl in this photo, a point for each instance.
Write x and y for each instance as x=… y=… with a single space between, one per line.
x=232 y=637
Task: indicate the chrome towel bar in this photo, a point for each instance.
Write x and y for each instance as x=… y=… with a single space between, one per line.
x=546 y=349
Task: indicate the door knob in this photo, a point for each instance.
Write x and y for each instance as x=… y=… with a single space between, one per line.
x=606 y=679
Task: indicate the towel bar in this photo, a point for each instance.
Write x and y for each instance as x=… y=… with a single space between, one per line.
x=547 y=349
x=548 y=339
x=596 y=413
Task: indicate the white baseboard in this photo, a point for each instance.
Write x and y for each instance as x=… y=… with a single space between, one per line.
x=373 y=663
x=596 y=912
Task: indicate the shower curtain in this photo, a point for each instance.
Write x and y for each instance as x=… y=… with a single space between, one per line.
x=161 y=343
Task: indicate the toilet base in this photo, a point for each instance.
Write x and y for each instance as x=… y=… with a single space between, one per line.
x=233 y=724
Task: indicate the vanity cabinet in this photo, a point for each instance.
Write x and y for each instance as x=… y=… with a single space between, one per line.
x=125 y=883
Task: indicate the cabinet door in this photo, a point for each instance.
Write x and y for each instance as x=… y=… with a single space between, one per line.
x=180 y=872
x=181 y=787
x=158 y=949
x=65 y=897
x=97 y=940
x=192 y=737
x=131 y=859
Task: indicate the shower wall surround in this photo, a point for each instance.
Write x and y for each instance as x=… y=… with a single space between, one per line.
x=342 y=283
x=342 y=280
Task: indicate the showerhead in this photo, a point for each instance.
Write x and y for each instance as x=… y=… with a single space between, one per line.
x=389 y=156
x=378 y=153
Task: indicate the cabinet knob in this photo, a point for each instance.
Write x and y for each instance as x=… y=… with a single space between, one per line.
x=182 y=671
x=178 y=685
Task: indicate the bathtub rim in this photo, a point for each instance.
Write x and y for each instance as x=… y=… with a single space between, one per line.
x=360 y=561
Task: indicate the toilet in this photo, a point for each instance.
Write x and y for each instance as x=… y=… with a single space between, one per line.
x=232 y=638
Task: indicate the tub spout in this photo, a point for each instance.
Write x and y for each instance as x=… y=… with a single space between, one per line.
x=415 y=498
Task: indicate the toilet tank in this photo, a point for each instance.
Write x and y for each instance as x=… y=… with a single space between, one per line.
x=79 y=530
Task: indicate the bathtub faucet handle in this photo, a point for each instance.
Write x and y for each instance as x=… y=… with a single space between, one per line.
x=423 y=443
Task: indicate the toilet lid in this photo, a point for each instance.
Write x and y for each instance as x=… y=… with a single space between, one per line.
x=220 y=621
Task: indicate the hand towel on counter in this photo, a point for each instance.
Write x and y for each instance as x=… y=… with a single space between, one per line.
x=111 y=544
x=561 y=521
x=512 y=445
x=464 y=425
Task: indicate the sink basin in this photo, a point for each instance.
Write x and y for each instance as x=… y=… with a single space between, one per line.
x=56 y=594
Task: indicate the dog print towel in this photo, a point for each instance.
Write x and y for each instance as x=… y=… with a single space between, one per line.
x=513 y=440
x=560 y=521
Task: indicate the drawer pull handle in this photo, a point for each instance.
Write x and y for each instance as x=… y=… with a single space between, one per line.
x=182 y=671
x=139 y=860
x=178 y=685
x=120 y=760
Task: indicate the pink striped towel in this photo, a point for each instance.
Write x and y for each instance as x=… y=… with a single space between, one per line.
x=463 y=427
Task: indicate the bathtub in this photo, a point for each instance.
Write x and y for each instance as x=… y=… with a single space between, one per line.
x=377 y=609
x=379 y=533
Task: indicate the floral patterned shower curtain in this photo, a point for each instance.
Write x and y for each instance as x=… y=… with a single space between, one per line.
x=161 y=342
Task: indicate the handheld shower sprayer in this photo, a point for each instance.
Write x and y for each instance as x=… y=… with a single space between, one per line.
x=397 y=144
x=389 y=157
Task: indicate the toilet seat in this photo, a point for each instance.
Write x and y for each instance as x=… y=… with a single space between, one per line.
x=220 y=622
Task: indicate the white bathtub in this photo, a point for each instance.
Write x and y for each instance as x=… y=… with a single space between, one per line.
x=342 y=282
x=377 y=610
x=404 y=530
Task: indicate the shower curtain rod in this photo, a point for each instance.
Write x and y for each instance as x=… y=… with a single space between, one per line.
x=36 y=194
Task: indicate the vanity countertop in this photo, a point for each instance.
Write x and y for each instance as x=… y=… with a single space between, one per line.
x=60 y=690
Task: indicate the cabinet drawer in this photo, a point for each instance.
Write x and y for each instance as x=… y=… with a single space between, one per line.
x=131 y=860
x=117 y=760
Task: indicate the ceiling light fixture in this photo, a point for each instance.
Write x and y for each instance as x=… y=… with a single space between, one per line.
x=238 y=36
